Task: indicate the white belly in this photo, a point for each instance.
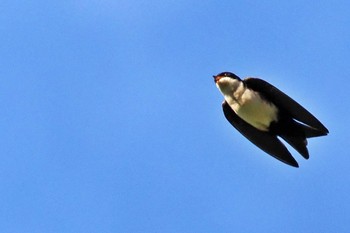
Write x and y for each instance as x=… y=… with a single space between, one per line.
x=254 y=110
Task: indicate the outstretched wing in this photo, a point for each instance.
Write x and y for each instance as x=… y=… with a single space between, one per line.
x=286 y=103
x=264 y=140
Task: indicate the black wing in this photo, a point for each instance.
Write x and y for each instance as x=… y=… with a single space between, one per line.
x=264 y=140
x=286 y=103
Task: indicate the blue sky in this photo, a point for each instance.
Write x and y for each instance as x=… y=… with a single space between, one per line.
x=111 y=121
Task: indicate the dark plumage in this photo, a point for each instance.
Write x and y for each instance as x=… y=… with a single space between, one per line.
x=287 y=119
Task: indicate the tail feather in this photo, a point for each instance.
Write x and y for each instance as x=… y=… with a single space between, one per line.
x=298 y=143
x=295 y=133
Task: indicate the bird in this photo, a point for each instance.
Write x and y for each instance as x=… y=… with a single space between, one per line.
x=264 y=115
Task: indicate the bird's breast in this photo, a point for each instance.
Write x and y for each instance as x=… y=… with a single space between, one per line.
x=253 y=109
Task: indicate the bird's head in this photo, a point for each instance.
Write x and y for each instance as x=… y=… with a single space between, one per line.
x=227 y=82
x=225 y=75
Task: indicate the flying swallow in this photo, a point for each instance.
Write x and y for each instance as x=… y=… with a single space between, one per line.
x=262 y=113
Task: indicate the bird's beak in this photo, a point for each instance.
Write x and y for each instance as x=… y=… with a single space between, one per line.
x=216 y=78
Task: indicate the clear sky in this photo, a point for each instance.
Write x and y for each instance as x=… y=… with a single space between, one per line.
x=111 y=122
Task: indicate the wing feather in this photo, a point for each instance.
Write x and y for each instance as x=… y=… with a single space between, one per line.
x=264 y=140
x=286 y=103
